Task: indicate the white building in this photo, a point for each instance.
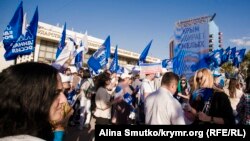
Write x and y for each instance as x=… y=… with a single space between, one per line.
x=48 y=37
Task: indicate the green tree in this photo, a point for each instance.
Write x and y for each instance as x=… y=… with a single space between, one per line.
x=247 y=57
x=227 y=68
x=244 y=66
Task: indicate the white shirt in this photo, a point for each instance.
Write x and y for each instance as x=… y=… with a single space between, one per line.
x=85 y=86
x=102 y=100
x=161 y=108
x=147 y=86
x=234 y=101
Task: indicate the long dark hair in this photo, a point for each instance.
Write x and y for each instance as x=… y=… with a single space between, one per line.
x=101 y=79
x=27 y=92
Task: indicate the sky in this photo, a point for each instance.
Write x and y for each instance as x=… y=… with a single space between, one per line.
x=132 y=24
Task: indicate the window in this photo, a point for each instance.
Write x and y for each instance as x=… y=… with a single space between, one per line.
x=47 y=52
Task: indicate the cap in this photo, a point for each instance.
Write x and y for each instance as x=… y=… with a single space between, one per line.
x=125 y=75
x=73 y=69
x=65 y=78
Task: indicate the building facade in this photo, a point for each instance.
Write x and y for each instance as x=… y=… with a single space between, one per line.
x=48 y=37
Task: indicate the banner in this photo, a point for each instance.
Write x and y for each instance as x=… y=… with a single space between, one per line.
x=149 y=68
x=191 y=46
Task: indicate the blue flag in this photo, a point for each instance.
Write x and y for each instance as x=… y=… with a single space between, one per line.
x=62 y=42
x=144 y=53
x=120 y=70
x=239 y=55
x=164 y=63
x=225 y=56
x=232 y=53
x=13 y=31
x=114 y=65
x=25 y=44
x=107 y=46
x=100 y=58
x=216 y=57
x=202 y=63
x=168 y=63
x=78 y=59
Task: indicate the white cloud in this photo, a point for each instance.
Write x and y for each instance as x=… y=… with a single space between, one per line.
x=244 y=41
x=246 y=38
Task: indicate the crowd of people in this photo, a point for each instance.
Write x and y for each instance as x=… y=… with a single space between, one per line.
x=38 y=102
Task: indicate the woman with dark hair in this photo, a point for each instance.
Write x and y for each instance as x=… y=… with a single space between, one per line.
x=32 y=103
x=234 y=94
x=87 y=90
x=243 y=108
x=183 y=90
x=103 y=99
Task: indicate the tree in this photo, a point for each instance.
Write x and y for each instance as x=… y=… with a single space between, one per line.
x=227 y=68
x=231 y=71
x=244 y=67
x=247 y=57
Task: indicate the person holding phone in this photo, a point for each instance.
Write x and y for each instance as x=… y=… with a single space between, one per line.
x=212 y=107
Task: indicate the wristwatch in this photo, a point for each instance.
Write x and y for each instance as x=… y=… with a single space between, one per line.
x=212 y=120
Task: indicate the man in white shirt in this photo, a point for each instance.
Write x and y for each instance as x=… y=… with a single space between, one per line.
x=161 y=107
x=147 y=87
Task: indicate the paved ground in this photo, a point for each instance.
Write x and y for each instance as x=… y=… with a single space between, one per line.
x=74 y=134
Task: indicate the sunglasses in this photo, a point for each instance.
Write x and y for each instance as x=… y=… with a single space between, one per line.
x=199 y=78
